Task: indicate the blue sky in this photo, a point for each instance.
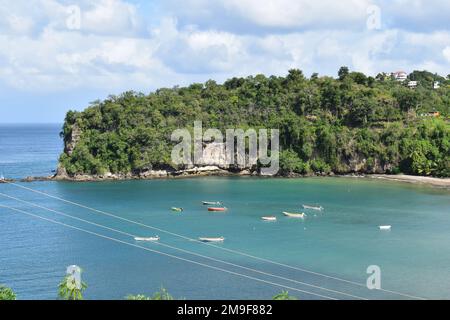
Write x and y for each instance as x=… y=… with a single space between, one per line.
x=60 y=55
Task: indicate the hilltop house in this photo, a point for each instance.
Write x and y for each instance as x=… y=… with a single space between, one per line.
x=436 y=85
x=400 y=75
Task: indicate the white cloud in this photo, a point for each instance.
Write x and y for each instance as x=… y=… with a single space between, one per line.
x=446 y=53
x=300 y=13
x=116 y=50
x=249 y=15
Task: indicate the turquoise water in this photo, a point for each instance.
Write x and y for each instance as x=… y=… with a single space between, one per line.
x=341 y=242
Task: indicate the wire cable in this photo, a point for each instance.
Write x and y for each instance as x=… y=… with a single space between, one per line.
x=182 y=250
x=167 y=254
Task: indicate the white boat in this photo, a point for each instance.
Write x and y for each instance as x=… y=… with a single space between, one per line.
x=211 y=203
x=318 y=208
x=146 y=238
x=269 y=218
x=206 y=239
x=294 y=215
x=385 y=227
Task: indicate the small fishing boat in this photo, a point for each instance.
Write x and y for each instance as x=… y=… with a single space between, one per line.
x=176 y=209
x=294 y=215
x=318 y=208
x=211 y=203
x=156 y=238
x=206 y=239
x=217 y=209
x=385 y=227
x=271 y=218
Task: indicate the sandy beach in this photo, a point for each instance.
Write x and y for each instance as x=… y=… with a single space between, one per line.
x=437 y=182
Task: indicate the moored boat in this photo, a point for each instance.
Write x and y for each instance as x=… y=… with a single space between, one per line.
x=176 y=209
x=271 y=218
x=156 y=238
x=207 y=239
x=212 y=203
x=294 y=214
x=318 y=208
x=217 y=209
x=385 y=227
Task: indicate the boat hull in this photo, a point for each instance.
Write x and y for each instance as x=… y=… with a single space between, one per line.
x=312 y=207
x=294 y=215
x=217 y=209
x=146 y=239
x=209 y=203
x=203 y=239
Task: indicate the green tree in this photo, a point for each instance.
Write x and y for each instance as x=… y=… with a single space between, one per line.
x=69 y=290
x=6 y=293
x=343 y=73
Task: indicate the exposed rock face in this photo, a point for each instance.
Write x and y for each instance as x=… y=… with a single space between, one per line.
x=61 y=173
x=72 y=140
x=214 y=154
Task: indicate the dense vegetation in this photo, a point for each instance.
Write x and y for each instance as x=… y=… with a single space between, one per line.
x=353 y=123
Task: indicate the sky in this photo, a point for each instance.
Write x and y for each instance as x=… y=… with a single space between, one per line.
x=61 y=55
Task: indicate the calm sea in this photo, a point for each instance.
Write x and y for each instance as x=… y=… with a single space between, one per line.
x=316 y=254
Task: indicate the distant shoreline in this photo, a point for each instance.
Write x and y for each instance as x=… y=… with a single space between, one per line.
x=437 y=182
x=429 y=181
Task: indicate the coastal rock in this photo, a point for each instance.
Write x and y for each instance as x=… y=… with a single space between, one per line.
x=214 y=155
x=61 y=173
x=154 y=174
x=72 y=140
x=201 y=170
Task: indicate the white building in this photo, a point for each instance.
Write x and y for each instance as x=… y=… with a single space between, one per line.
x=412 y=84
x=400 y=75
x=436 y=85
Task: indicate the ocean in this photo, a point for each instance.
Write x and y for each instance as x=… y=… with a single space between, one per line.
x=324 y=256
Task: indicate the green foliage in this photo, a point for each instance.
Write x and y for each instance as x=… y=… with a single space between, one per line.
x=326 y=125
x=284 y=295
x=6 y=293
x=343 y=73
x=68 y=289
x=162 y=294
x=290 y=162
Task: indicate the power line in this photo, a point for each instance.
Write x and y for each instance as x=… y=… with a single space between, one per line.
x=207 y=244
x=183 y=250
x=166 y=254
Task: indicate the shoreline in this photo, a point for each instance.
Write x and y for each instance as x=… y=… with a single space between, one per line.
x=432 y=181
x=418 y=180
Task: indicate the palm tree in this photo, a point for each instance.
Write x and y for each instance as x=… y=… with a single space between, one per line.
x=69 y=289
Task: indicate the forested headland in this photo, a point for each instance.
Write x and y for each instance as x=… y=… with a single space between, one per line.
x=349 y=124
